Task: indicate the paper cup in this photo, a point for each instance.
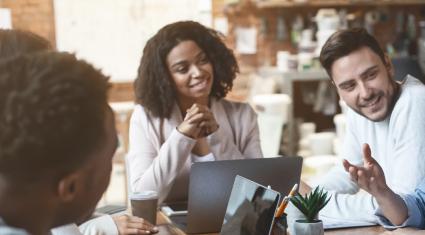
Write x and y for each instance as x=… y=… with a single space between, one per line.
x=144 y=205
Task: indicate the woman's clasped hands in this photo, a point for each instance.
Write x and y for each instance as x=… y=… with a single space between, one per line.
x=198 y=122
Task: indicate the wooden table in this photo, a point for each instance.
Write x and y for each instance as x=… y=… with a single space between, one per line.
x=167 y=228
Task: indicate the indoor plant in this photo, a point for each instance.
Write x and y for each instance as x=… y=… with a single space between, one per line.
x=310 y=205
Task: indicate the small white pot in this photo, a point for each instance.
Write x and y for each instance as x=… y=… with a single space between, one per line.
x=301 y=227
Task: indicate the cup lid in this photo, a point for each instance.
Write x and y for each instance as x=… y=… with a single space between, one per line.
x=144 y=195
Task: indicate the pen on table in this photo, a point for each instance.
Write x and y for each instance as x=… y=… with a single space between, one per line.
x=285 y=201
x=282 y=207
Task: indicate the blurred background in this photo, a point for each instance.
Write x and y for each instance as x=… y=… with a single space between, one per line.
x=276 y=42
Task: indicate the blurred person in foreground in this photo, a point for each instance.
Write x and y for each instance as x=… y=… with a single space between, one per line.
x=15 y=43
x=57 y=142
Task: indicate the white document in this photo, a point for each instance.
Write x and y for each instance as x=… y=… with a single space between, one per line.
x=332 y=223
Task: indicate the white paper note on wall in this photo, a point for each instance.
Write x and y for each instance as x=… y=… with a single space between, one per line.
x=246 y=40
x=5 y=18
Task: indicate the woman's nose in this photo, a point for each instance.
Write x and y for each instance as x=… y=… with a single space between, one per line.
x=195 y=72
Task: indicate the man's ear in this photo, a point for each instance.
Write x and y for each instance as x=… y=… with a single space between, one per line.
x=389 y=65
x=68 y=187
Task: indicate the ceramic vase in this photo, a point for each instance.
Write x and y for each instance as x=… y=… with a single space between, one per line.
x=302 y=227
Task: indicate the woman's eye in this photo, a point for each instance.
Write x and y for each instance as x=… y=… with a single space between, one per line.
x=204 y=60
x=181 y=70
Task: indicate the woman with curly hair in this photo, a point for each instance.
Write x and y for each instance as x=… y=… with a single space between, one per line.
x=181 y=116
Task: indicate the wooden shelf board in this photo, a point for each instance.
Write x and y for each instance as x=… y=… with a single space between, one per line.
x=329 y=3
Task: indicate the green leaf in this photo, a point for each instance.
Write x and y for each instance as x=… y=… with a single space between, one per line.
x=312 y=203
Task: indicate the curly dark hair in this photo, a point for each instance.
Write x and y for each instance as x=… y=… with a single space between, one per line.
x=343 y=42
x=154 y=87
x=53 y=109
x=15 y=42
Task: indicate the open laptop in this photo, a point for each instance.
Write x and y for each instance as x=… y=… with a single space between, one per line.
x=211 y=184
x=251 y=209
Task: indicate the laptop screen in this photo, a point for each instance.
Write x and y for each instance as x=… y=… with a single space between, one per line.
x=250 y=210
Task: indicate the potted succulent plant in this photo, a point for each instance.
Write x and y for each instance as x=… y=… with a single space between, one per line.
x=310 y=205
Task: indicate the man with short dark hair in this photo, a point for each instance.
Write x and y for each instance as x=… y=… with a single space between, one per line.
x=57 y=140
x=15 y=43
x=385 y=115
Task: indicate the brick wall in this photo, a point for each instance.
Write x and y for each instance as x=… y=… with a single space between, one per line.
x=33 y=15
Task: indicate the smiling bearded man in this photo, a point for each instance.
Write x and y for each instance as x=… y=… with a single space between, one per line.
x=386 y=115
